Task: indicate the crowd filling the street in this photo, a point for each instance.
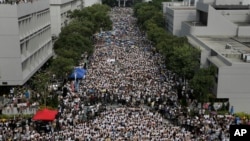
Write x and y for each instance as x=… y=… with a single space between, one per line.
x=127 y=94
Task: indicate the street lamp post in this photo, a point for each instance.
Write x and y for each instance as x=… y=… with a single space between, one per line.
x=124 y=3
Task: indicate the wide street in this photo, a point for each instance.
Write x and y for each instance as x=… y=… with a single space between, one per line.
x=127 y=94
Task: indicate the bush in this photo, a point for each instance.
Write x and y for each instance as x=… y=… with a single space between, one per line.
x=242 y=115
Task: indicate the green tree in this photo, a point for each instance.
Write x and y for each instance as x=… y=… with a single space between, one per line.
x=158 y=18
x=62 y=66
x=63 y=52
x=155 y=33
x=74 y=42
x=137 y=6
x=145 y=13
x=202 y=83
x=97 y=14
x=110 y=3
x=165 y=47
x=158 y=3
x=76 y=27
x=184 y=61
x=40 y=82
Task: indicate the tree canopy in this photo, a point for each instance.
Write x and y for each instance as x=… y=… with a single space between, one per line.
x=76 y=38
x=184 y=61
x=180 y=56
x=202 y=83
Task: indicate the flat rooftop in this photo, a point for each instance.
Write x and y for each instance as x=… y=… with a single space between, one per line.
x=183 y=7
x=231 y=7
x=242 y=23
x=218 y=44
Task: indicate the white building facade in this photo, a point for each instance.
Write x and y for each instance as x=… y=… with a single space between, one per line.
x=59 y=12
x=25 y=37
x=88 y=3
x=221 y=30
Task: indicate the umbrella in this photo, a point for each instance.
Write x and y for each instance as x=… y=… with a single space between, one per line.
x=78 y=73
x=232 y=110
x=45 y=115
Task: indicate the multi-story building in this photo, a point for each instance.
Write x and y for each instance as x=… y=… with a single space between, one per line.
x=25 y=37
x=221 y=30
x=88 y=3
x=59 y=12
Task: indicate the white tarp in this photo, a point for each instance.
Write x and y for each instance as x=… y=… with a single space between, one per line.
x=111 y=60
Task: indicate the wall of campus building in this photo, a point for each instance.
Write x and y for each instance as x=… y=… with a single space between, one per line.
x=202 y=6
x=59 y=13
x=241 y=16
x=88 y=3
x=205 y=50
x=59 y=2
x=181 y=16
x=233 y=83
x=165 y=5
x=28 y=8
x=77 y=4
x=55 y=15
x=175 y=18
x=25 y=40
x=244 y=31
x=10 y=58
x=217 y=25
x=169 y=19
x=232 y=2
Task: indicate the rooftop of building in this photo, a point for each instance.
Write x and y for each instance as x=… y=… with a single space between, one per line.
x=231 y=7
x=15 y=2
x=231 y=48
x=242 y=23
x=183 y=8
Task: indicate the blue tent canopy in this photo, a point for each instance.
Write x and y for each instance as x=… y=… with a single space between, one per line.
x=78 y=73
x=80 y=70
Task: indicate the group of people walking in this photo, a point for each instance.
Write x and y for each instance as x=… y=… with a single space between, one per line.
x=127 y=94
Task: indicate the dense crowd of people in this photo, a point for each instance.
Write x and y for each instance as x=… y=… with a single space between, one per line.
x=127 y=94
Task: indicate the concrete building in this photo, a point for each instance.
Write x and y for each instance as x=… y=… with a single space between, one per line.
x=221 y=30
x=25 y=37
x=147 y=0
x=59 y=12
x=88 y=3
x=176 y=13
